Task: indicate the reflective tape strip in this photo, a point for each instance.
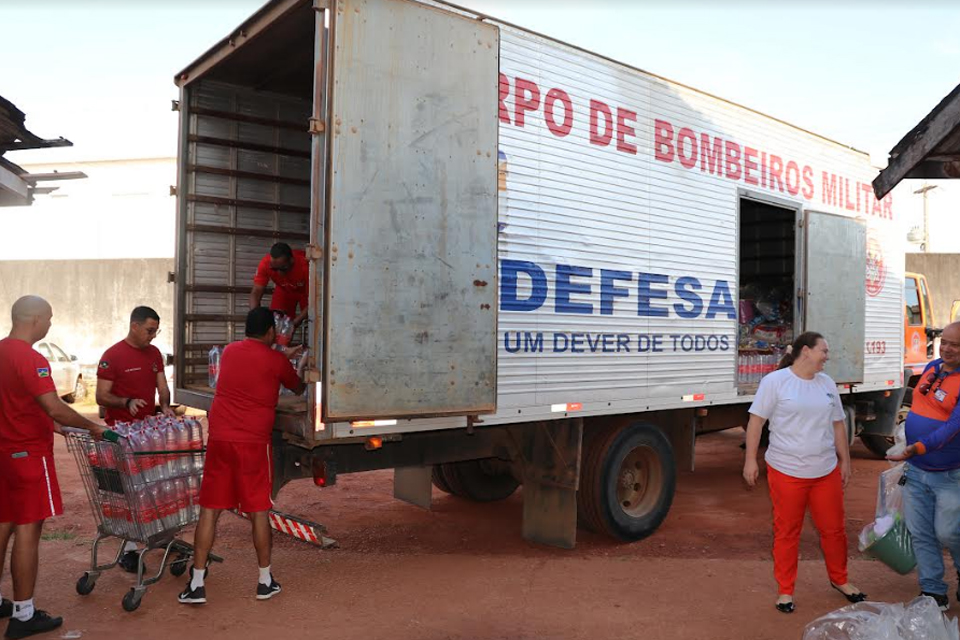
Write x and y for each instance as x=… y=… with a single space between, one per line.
x=46 y=475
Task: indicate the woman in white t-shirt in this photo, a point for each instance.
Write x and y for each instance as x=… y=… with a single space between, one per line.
x=808 y=462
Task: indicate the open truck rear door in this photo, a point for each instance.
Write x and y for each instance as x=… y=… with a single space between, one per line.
x=835 y=300
x=410 y=227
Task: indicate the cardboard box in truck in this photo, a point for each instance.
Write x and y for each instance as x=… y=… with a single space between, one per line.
x=530 y=264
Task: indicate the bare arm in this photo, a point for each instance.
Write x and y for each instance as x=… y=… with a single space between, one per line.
x=843 y=449
x=300 y=318
x=163 y=393
x=256 y=295
x=106 y=398
x=64 y=415
x=751 y=470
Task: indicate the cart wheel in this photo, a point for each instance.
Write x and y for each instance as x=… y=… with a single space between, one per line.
x=85 y=584
x=131 y=601
x=179 y=566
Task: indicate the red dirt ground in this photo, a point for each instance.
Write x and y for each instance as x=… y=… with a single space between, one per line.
x=463 y=571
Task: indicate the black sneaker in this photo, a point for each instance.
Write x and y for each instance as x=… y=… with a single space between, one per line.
x=6 y=608
x=129 y=561
x=265 y=592
x=193 y=596
x=41 y=622
x=942 y=600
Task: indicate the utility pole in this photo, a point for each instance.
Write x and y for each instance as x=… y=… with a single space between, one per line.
x=926 y=216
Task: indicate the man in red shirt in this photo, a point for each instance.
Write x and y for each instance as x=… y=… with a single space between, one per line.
x=29 y=493
x=238 y=473
x=290 y=272
x=129 y=380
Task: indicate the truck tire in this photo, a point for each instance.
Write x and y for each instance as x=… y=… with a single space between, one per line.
x=439 y=481
x=627 y=481
x=479 y=480
x=451 y=478
x=879 y=444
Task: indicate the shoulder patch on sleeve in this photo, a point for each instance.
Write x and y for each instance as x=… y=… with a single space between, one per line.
x=43 y=372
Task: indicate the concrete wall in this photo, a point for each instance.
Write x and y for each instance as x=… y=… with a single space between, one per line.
x=91 y=299
x=943 y=278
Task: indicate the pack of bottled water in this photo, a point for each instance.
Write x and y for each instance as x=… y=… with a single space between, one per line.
x=157 y=467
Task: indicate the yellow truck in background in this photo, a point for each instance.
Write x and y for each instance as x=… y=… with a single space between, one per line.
x=919 y=332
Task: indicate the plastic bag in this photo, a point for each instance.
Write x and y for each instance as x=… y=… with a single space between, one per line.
x=920 y=619
x=284 y=329
x=890 y=492
x=887 y=538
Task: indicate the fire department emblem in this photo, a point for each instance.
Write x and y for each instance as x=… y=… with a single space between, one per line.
x=876 y=268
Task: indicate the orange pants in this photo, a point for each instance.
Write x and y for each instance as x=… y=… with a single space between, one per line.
x=790 y=497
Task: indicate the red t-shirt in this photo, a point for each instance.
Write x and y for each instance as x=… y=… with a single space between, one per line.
x=290 y=288
x=134 y=375
x=24 y=376
x=245 y=403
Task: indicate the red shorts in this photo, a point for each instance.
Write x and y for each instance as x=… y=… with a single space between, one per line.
x=29 y=488
x=237 y=475
x=286 y=301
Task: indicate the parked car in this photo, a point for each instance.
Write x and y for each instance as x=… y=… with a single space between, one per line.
x=65 y=371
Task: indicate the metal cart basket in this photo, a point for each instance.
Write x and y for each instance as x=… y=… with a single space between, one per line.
x=142 y=491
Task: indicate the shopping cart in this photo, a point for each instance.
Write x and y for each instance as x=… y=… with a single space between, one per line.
x=141 y=489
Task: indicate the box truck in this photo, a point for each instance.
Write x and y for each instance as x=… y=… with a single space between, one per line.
x=529 y=264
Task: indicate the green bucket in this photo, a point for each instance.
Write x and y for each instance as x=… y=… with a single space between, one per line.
x=894 y=548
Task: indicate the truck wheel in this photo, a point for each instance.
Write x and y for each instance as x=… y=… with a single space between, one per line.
x=479 y=480
x=879 y=444
x=439 y=481
x=450 y=477
x=627 y=480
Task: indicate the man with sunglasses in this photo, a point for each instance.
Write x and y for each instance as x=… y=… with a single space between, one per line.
x=290 y=273
x=931 y=496
x=130 y=378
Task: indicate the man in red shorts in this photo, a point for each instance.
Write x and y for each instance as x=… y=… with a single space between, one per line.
x=29 y=492
x=290 y=272
x=238 y=471
x=130 y=381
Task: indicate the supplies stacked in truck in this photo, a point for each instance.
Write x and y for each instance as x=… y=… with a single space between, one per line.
x=765 y=321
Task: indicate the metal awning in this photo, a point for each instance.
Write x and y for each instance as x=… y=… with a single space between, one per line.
x=930 y=150
x=17 y=186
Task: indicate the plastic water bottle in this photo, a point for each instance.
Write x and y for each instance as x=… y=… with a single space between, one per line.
x=196 y=445
x=213 y=369
x=182 y=438
x=193 y=496
x=182 y=501
x=147 y=512
x=157 y=444
x=170 y=444
x=132 y=464
x=169 y=509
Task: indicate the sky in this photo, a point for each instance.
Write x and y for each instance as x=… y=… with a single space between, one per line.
x=100 y=72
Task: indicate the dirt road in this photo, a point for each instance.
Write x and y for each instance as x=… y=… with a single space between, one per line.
x=463 y=571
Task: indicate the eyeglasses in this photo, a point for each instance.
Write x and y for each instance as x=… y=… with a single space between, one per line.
x=933 y=385
x=153 y=332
